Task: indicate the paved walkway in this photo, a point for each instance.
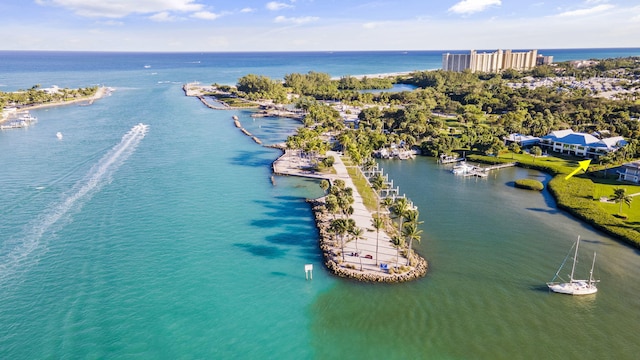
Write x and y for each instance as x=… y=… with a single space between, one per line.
x=290 y=164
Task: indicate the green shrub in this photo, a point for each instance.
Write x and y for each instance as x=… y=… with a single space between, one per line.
x=576 y=197
x=529 y=184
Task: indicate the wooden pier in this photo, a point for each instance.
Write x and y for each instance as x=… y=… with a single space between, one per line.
x=483 y=172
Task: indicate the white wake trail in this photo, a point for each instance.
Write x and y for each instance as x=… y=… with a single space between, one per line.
x=23 y=245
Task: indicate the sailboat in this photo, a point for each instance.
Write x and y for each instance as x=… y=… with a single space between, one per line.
x=573 y=286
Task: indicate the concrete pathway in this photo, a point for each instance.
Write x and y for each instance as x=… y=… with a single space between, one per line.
x=290 y=164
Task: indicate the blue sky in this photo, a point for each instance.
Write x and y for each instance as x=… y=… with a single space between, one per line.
x=307 y=25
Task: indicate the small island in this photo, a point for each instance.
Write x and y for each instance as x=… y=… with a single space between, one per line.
x=15 y=106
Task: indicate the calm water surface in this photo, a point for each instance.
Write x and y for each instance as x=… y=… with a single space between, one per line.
x=171 y=241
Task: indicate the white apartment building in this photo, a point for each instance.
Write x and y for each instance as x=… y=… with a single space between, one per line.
x=490 y=62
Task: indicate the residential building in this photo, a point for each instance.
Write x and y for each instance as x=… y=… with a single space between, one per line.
x=580 y=144
x=522 y=140
x=630 y=172
x=492 y=62
x=544 y=60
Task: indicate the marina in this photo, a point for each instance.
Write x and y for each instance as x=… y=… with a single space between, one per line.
x=370 y=259
x=465 y=169
x=18 y=120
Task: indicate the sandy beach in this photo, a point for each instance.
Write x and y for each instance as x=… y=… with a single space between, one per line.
x=101 y=92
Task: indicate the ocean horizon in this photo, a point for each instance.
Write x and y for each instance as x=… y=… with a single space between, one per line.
x=153 y=229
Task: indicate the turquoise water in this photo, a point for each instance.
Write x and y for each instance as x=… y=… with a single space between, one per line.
x=170 y=241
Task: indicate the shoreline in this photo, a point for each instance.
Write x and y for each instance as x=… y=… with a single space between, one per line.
x=372 y=259
x=359 y=259
x=100 y=93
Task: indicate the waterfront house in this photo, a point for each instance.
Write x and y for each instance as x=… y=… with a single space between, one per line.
x=522 y=140
x=630 y=172
x=580 y=144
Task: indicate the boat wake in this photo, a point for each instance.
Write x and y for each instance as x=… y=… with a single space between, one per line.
x=17 y=252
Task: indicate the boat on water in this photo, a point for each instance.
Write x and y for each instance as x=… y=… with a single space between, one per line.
x=574 y=286
x=462 y=168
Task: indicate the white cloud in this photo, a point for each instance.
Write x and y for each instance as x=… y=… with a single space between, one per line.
x=205 y=15
x=122 y=8
x=111 y=23
x=296 y=20
x=247 y=10
x=370 y=25
x=588 y=11
x=163 y=16
x=275 y=6
x=473 y=6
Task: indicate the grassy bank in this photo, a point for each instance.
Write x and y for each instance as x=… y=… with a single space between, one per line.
x=580 y=195
x=369 y=198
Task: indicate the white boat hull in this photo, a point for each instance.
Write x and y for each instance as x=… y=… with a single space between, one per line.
x=576 y=287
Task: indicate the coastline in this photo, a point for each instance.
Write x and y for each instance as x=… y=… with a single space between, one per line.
x=360 y=260
x=372 y=259
x=100 y=93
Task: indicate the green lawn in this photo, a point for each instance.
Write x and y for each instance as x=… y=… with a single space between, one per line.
x=581 y=194
x=606 y=191
x=369 y=198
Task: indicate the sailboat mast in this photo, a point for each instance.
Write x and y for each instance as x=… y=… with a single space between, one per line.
x=591 y=272
x=575 y=257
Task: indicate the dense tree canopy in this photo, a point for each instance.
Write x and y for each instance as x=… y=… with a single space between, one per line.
x=37 y=95
x=463 y=110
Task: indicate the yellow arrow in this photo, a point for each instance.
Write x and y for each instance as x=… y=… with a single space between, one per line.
x=583 y=165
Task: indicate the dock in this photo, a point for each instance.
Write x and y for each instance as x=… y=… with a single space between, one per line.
x=450 y=159
x=465 y=169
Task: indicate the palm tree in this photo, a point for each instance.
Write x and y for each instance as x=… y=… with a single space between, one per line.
x=386 y=202
x=368 y=164
x=536 y=151
x=344 y=202
x=378 y=224
x=331 y=204
x=377 y=183
x=356 y=232
x=340 y=227
x=400 y=208
x=324 y=185
x=412 y=228
x=620 y=196
x=397 y=240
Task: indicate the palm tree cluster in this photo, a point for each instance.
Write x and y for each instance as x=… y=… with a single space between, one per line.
x=339 y=203
x=408 y=231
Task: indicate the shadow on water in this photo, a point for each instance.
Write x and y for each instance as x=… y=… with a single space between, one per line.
x=290 y=215
x=548 y=211
x=283 y=210
x=539 y=288
x=254 y=158
x=599 y=242
x=295 y=237
x=269 y=252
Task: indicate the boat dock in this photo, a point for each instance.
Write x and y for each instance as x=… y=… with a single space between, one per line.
x=449 y=159
x=18 y=120
x=464 y=169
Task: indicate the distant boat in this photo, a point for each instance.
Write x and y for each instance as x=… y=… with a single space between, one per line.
x=573 y=286
x=147 y=66
x=462 y=168
x=59 y=135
